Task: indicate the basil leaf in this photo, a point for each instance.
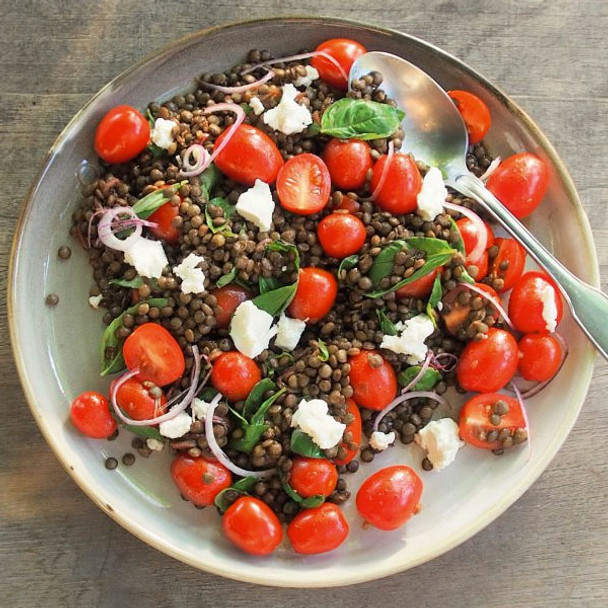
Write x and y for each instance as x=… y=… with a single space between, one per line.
x=385 y=261
x=386 y=325
x=430 y=246
x=227 y=278
x=246 y=108
x=245 y=484
x=209 y=178
x=147 y=432
x=307 y=503
x=459 y=244
x=360 y=119
x=147 y=205
x=277 y=300
x=302 y=444
x=313 y=501
x=229 y=211
x=434 y=299
x=254 y=399
x=207 y=393
x=324 y=356
x=133 y=283
x=272 y=283
x=259 y=416
x=242 y=487
x=253 y=433
x=346 y=264
x=426 y=383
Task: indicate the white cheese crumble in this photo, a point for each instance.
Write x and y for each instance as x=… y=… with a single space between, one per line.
x=432 y=195
x=548 y=298
x=193 y=278
x=155 y=445
x=256 y=105
x=410 y=339
x=200 y=408
x=380 y=441
x=251 y=329
x=314 y=419
x=289 y=116
x=289 y=332
x=305 y=81
x=95 y=301
x=161 y=133
x=441 y=441
x=176 y=427
x=256 y=205
x=147 y=257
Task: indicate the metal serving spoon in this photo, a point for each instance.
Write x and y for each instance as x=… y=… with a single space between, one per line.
x=436 y=135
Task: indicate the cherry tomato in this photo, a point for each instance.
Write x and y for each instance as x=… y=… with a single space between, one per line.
x=252 y=526
x=482 y=266
x=90 y=414
x=389 y=497
x=341 y=234
x=249 y=155
x=470 y=236
x=318 y=530
x=348 y=204
x=474 y=112
x=344 y=51
x=348 y=161
x=540 y=357
x=156 y=353
x=228 y=299
x=457 y=313
x=520 y=183
x=121 y=135
x=304 y=184
x=234 y=375
x=398 y=194
x=315 y=295
x=487 y=366
x=135 y=400
x=475 y=425
x=512 y=255
x=165 y=229
x=199 y=480
x=313 y=476
x=373 y=380
x=526 y=303
x=352 y=435
x=420 y=288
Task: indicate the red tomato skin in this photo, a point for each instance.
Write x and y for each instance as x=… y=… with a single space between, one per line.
x=348 y=204
x=540 y=358
x=511 y=251
x=482 y=266
x=373 y=388
x=121 y=135
x=134 y=399
x=199 y=480
x=90 y=414
x=348 y=161
x=345 y=52
x=252 y=526
x=356 y=429
x=318 y=530
x=165 y=230
x=526 y=306
x=341 y=234
x=469 y=236
x=156 y=353
x=315 y=295
x=520 y=183
x=421 y=288
x=403 y=182
x=228 y=299
x=234 y=375
x=389 y=497
x=249 y=155
x=488 y=365
x=313 y=476
x=474 y=112
x=458 y=312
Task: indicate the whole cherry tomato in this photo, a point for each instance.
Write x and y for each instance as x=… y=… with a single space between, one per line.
x=399 y=192
x=420 y=288
x=482 y=266
x=135 y=400
x=474 y=112
x=389 y=497
x=540 y=357
x=508 y=264
x=520 y=183
x=234 y=375
x=318 y=530
x=487 y=365
x=249 y=155
x=228 y=299
x=341 y=234
x=348 y=161
x=373 y=380
x=156 y=353
x=315 y=295
x=304 y=184
x=352 y=435
x=165 y=229
x=90 y=414
x=252 y=526
x=470 y=236
x=454 y=313
x=313 y=476
x=344 y=51
x=121 y=135
x=199 y=480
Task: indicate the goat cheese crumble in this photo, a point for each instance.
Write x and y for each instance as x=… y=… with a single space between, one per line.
x=410 y=339
x=256 y=105
x=193 y=278
x=161 y=133
x=199 y=408
x=155 y=445
x=147 y=257
x=289 y=332
x=176 y=427
x=432 y=195
x=95 y=301
x=256 y=205
x=380 y=441
x=441 y=441
x=314 y=419
x=305 y=81
x=548 y=298
x=289 y=117
x=251 y=329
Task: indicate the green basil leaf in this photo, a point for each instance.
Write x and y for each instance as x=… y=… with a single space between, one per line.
x=146 y=432
x=242 y=486
x=324 y=352
x=313 y=501
x=227 y=278
x=430 y=246
x=459 y=244
x=229 y=211
x=346 y=264
x=359 y=119
x=246 y=108
x=429 y=379
x=434 y=298
x=276 y=301
x=254 y=399
x=133 y=283
x=258 y=417
x=209 y=178
x=147 y=205
x=151 y=120
x=245 y=484
x=272 y=283
x=207 y=393
x=465 y=277
x=253 y=433
x=384 y=261
x=302 y=444
x=386 y=325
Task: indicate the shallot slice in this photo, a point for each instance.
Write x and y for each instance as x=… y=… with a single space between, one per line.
x=200 y=157
x=452 y=361
x=493 y=166
x=384 y=175
x=105 y=230
x=420 y=374
x=242 y=88
x=480 y=228
x=401 y=398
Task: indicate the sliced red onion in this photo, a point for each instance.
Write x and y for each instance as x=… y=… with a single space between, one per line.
x=418 y=376
x=105 y=230
x=451 y=358
x=493 y=166
x=490 y=298
x=480 y=227
x=384 y=175
x=90 y=225
x=200 y=156
x=242 y=88
x=401 y=398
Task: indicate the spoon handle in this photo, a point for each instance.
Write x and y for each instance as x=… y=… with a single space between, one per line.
x=589 y=306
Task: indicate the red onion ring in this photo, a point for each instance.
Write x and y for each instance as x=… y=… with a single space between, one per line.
x=444 y=367
x=425 y=366
x=239 y=89
x=200 y=156
x=491 y=299
x=493 y=166
x=106 y=232
x=383 y=176
x=482 y=241
x=401 y=398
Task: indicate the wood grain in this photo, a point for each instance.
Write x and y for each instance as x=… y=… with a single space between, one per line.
x=57 y=549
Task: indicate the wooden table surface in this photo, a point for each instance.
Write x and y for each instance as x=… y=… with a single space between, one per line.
x=58 y=550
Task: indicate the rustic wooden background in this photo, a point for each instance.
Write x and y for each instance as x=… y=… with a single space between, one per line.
x=58 y=550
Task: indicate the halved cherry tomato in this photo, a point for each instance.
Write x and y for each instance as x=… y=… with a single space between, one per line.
x=165 y=229
x=419 y=288
x=398 y=194
x=121 y=135
x=228 y=299
x=512 y=255
x=475 y=423
x=474 y=112
x=389 y=497
x=199 y=480
x=454 y=313
x=487 y=365
x=313 y=476
x=234 y=375
x=304 y=184
x=344 y=51
x=520 y=183
x=249 y=155
x=348 y=161
x=315 y=295
x=352 y=435
x=540 y=357
x=135 y=400
x=341 y=234
x=373 y=380
x=318 y=530
x=156 y=353
x=470 y=237
x=527 y=303
x=90 y=414
x=252 y=526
